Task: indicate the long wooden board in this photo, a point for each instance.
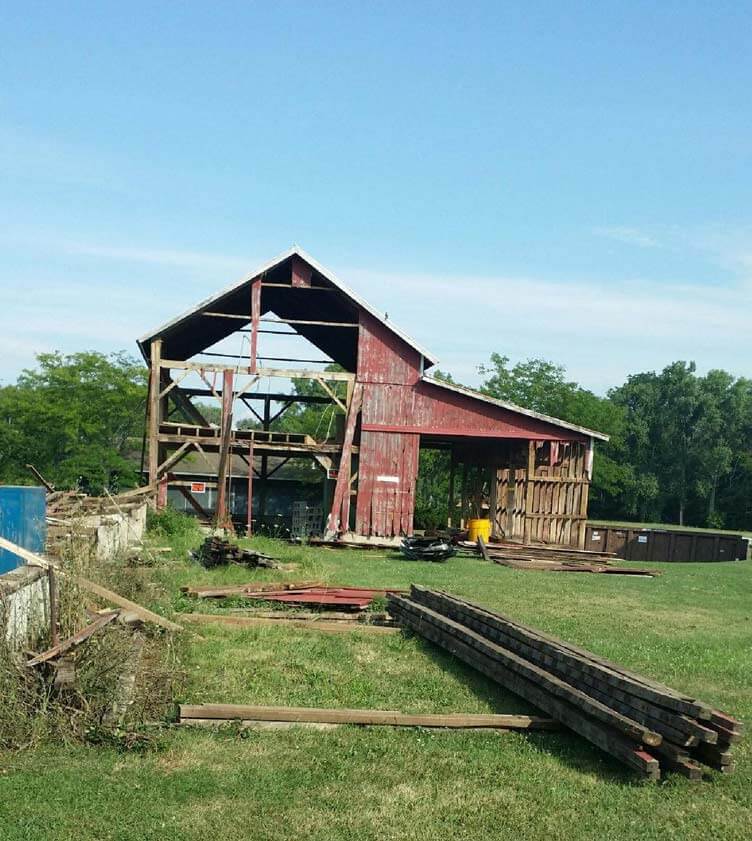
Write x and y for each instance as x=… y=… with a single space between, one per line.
x=390 y=718
x=323 y=626
x=74 y=640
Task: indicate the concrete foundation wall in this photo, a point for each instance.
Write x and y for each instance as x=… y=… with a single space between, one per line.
x=116 y=532
x=24 y=607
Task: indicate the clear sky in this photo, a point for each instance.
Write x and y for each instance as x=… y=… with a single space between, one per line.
x=568 y=180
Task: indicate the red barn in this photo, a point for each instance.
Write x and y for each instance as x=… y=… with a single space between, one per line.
x=529 y=472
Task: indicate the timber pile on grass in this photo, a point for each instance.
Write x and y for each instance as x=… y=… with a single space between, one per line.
x=644 y=724
x=551 y=558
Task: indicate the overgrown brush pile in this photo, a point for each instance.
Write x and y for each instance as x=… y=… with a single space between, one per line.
x=105 y=690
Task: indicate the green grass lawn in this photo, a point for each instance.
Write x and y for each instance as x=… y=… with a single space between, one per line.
x=691 y=628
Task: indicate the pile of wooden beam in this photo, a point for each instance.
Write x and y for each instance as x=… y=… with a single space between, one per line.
x=644 y=724
x=216 y=551
x=551 y=558
x=253 y=588
x=315 y=595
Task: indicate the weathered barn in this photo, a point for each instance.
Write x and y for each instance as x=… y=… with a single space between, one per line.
x=531 y=471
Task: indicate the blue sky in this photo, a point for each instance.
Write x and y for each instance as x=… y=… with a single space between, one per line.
x=567 y=180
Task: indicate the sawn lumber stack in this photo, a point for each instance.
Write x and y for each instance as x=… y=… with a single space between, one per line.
x=644 y=724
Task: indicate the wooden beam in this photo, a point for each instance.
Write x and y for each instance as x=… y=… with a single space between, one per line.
x=173 y=384
x=177 y=456
x=74 y=640
x=310 y=323
x=154 y=409
x=339 y=515
x=33 y=559
x=388 y=718
x=192 y=501
x=323 y=626
x=255 y=318
x=249 y=507
x=227 y=315
x=224 y=449
x=331 y=393
x=281 y=373
x=296 y=288
x=529 y=490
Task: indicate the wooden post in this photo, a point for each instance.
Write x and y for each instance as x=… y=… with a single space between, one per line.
x=450 y=507
x=529 y=490
x=54 y=635
x=154 y=406
x=162 y=493
x=339 y=518
x=463 y=495
x=266 y=423
x=224 y=449
x=255 y=318
x=249 y=511
x=492 y=498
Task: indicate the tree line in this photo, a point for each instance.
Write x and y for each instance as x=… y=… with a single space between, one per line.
x=680 y=448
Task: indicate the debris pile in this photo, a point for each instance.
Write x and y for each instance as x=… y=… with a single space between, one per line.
x=644 y=724
x=101 y=525
x=312 y=594
x=216 y=551
x=426 y=549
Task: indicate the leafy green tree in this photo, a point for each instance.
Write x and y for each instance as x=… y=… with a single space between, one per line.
x=542 y=386
x=79 y=418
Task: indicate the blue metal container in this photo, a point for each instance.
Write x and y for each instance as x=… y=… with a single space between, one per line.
x=23 y=513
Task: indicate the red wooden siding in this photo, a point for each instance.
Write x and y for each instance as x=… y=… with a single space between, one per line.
x=387 y=469
x=384 y=357
x=431 y=410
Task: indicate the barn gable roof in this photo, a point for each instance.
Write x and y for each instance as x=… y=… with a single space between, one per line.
x=189 y=319
x=193 y=331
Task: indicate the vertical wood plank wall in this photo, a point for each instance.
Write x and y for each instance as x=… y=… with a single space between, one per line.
x=545 y=503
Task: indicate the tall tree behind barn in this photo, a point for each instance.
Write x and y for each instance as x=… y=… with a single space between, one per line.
x=525 y=470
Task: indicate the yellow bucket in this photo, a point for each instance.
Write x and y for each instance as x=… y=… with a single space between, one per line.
x=479 y=528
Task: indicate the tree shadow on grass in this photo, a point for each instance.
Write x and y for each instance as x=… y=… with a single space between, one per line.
x=569 y=748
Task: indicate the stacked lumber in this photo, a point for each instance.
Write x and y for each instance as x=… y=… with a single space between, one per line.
x=642 y=723
x=552 y=558
x=213 y=591
x=216 y=551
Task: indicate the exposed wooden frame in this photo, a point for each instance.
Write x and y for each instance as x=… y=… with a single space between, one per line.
x=154 y=410
x=194 y=503
x=255 y=318
x=224 y=450
x=176 y=457
x=280 y=373
x=331 y=393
